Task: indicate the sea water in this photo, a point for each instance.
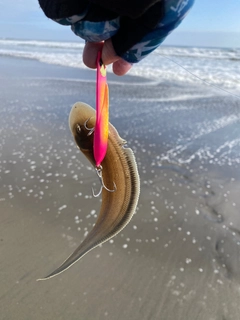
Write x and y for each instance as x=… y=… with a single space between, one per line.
x=216 y=66
x=212 y=76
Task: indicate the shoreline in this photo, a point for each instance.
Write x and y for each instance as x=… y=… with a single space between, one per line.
x=179 y=255
x=25 y=65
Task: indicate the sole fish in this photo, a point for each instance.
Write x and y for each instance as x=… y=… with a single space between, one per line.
x=119 y=168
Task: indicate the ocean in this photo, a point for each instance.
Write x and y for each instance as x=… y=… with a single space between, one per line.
x=178 y=258
x=218 y=67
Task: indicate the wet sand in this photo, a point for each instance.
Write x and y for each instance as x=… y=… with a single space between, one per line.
x=179 y=257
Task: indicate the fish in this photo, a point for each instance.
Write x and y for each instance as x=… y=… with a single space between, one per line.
x=119 y=167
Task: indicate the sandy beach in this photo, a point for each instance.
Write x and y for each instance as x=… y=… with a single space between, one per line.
x=179 y=257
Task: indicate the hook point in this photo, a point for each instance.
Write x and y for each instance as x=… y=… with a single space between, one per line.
x=99 y=173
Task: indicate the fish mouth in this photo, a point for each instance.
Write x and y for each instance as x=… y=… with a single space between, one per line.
x=82 y=139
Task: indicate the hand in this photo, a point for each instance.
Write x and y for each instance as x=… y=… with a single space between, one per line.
x=119 y=66
x=132 y=31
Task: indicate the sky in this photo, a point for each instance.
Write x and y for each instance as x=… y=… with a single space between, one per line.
x=210 y=23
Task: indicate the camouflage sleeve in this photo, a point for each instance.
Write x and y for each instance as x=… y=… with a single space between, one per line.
x=136 y=27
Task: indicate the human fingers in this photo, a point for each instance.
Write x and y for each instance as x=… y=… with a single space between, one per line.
x=119 y=66
x=90 y=53
x=91 y=49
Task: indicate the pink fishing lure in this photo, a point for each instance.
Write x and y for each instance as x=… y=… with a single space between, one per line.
x=102 y=113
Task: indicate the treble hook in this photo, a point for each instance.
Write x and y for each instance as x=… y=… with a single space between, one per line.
x=99 y=173
x=88 y=129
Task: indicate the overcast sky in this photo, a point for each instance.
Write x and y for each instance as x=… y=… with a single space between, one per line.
x=209 y=23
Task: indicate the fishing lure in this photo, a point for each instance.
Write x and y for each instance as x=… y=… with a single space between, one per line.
x=100 y=140
x=117 y=208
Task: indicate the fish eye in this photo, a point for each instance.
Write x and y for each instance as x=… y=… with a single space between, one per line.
x=78 y=128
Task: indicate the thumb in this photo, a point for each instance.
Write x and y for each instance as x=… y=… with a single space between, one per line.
x=108 y=53
x=120 y=67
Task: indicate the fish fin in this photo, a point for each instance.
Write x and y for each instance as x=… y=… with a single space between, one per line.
x=72 y=259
